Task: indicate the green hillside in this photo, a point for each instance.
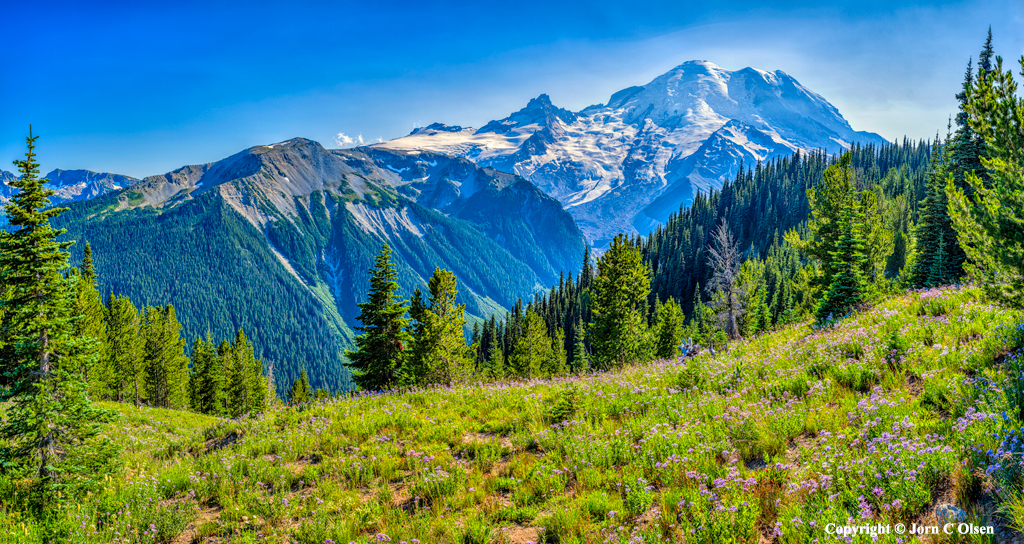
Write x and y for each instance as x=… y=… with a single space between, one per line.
x=889 y=416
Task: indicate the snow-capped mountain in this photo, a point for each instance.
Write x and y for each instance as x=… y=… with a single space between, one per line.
x=71 y=185
x=625 y=166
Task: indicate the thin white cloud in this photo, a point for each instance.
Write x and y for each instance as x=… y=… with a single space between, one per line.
x=344 y=140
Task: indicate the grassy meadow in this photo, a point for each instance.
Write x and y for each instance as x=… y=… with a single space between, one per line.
x=901 y=413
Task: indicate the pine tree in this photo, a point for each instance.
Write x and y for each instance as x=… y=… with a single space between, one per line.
x=439 y=353
x=166 y=363
x=533 y=349
x=300 y=392
x=124 y=351
x=669 y=329
x=206 y=382
x=580 y=358
x=939 y=259
x=847 y=287
x=828 y=201
x=380 y=351
x=619 y=305
x=494 y=366
x=990 y=222
x=557 y=362
x=50 y=423
x=91 y=328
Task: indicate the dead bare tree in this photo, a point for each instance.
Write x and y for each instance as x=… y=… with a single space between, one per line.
x=725 y=288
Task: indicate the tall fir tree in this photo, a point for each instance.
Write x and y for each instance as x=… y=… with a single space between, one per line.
x=669 y=329
x=439 y=353
x=619 y=305
x=533 y=353
x=50 y=426
x=166 y=363
x=206 y=381
x=990 y=221
x=381 y=350
x=847 y=264
x=91 y=328
x=300 y=392
x=580 y=358
x=125 y=348
x=939 y=258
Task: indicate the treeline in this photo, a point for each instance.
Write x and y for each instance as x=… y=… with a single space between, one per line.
x=139 y=356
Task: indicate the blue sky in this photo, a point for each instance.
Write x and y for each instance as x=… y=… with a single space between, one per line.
x=140 y=90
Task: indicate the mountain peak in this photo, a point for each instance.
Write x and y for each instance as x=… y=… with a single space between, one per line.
x=538 y=111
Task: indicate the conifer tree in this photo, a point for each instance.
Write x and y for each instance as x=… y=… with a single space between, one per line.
x=990 y=222
x=669 y=329
x=439 y=353
x=494 y=365
x=580 y=358
x=939 y=258
x=724 y=286
x=50 y=423
x=166 y=363
x=847 y=264
x=619 y=305
x=125 y=351
x=208 y=392
x=533 y=350
x=380 y=351
x=300 y=392
x=828 y=202
x=90 y=328
x=557 y=362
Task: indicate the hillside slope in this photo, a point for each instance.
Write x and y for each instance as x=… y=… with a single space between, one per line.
x=279 y=239
x=884 y=418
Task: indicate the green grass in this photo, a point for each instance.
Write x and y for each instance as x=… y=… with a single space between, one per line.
x=875 y=419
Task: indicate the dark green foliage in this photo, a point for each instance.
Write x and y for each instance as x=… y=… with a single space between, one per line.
x=619 y=305
x=300 y=392
x=246 y=390
x=668 y=329
x=939 y=256
x=90 y=327
x=164 y=355
x=532 y=354
x=207 y=382
x=380 y=354
x=50 y=426
x=124 y=353
x=218 y=271
x=846 y=289
x=990 y=221
x=763 y=203
x=439 y=354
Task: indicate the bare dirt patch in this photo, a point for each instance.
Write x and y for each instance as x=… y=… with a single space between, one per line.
x=519 y=534
x=190 y=534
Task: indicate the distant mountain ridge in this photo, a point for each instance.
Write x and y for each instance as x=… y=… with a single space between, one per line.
x=627 y=165
x=278 y=240
x=71 y=185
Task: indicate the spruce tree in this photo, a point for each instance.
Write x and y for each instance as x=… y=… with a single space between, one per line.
x=619 y=305
x=580 y=358
x=166 y=363
x=439 y=353
x=50 y=424
x=208 y=395
x=125 y=351
x=91 y=329
x=990 y=221
x=848 y=282
x=669 y=329
x=300 y=392
x=380 y=351
x=533 y=350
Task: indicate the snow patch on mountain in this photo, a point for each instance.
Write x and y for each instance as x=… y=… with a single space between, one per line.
x=627 y=165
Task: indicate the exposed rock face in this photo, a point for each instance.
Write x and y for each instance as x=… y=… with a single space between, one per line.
x=627 y=165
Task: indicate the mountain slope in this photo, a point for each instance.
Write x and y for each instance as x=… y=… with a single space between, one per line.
x=71 y=185
x=279 y=239
x=627 y=165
